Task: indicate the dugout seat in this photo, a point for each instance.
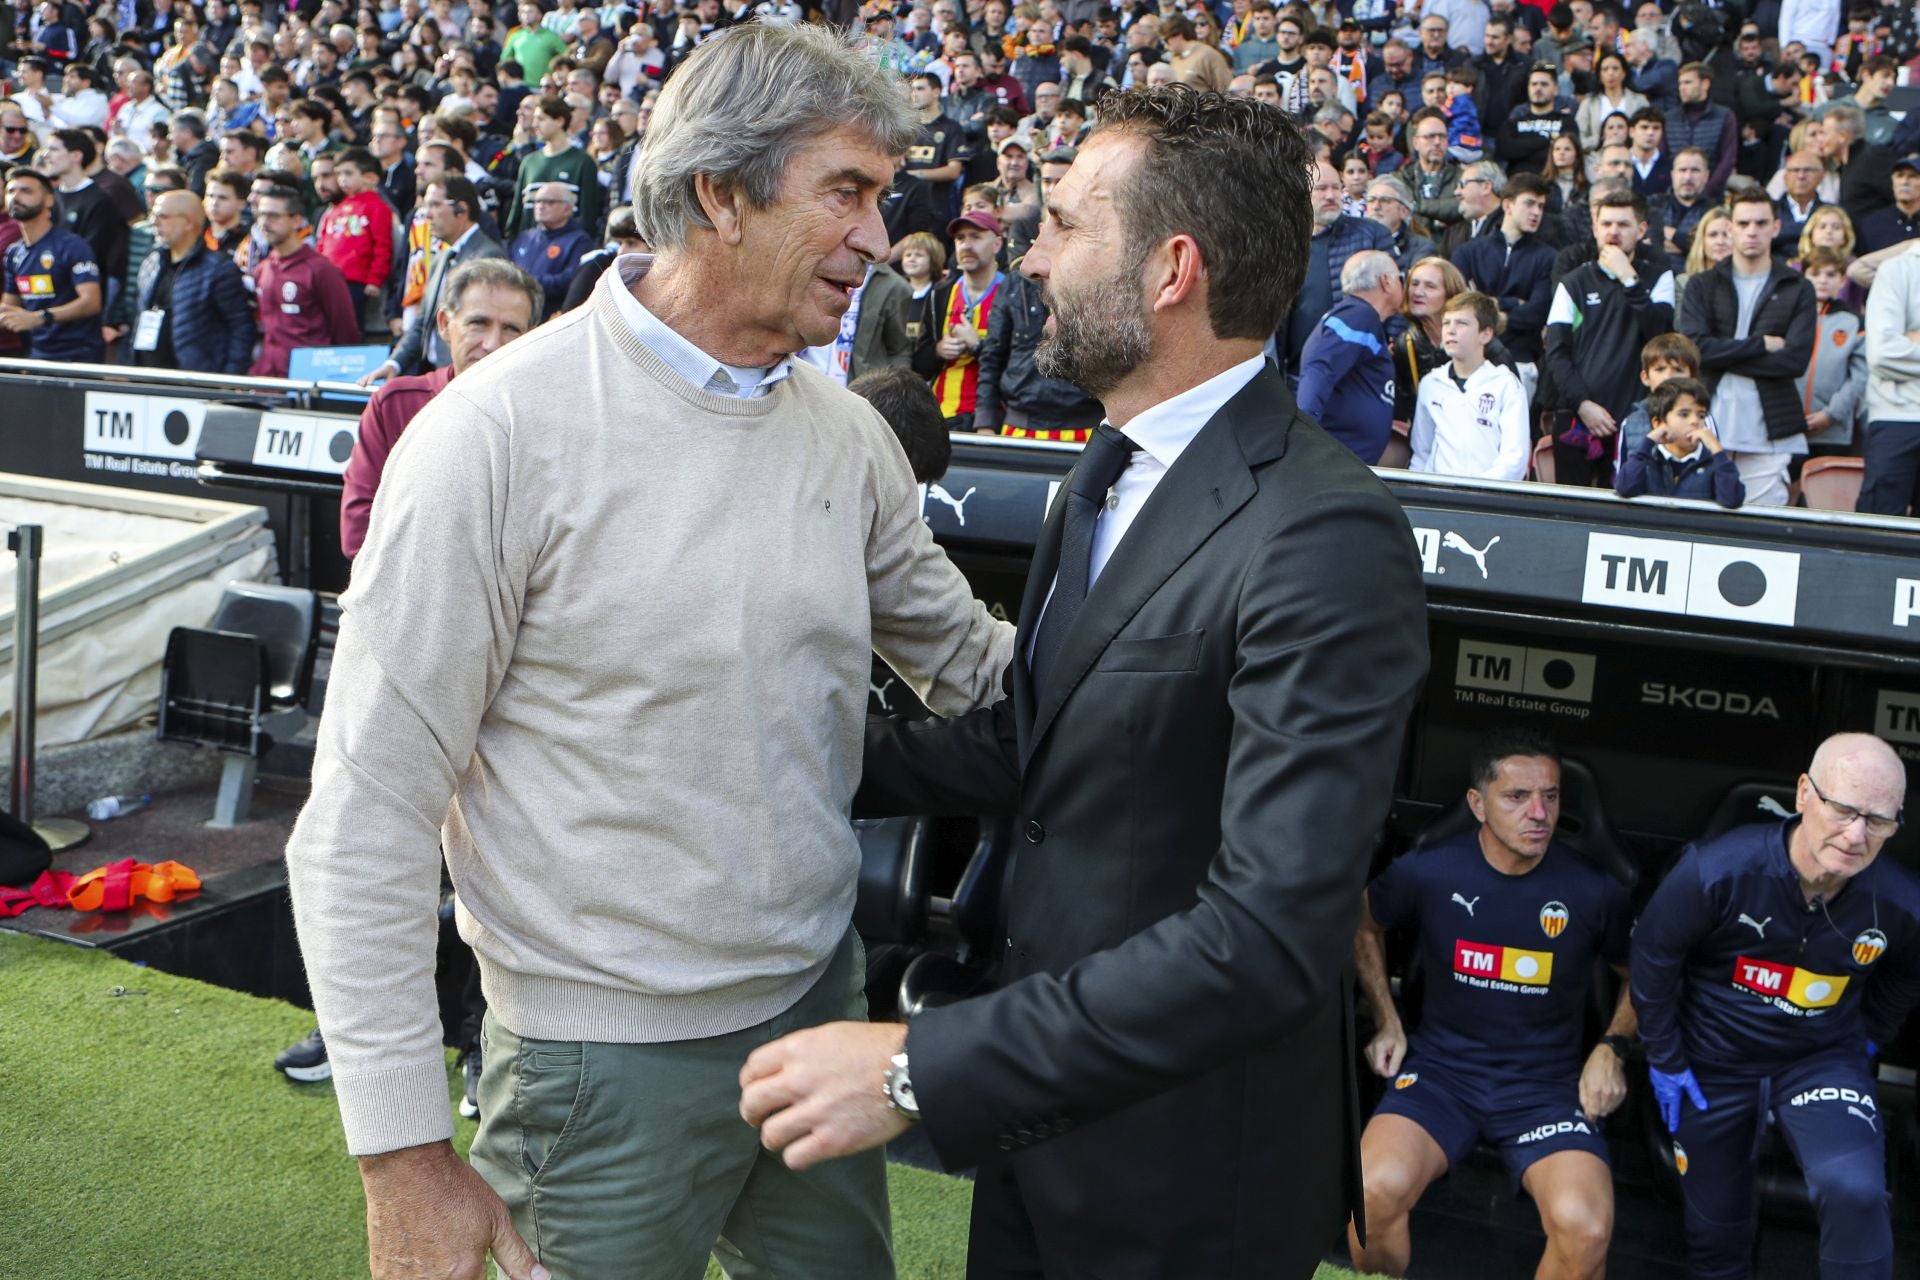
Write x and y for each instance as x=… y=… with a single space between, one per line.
x=1832 y=484
x=974 y=915
x=241 y=684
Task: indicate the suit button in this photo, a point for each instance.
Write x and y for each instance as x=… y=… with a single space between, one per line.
x=1006 y=1142
x=1035 y=832
x=1025 y=1136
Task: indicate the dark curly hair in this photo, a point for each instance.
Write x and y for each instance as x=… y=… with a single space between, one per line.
x=1234 y=174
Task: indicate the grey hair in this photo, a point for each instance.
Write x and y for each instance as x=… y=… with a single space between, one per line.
x=126 y=148
x=740 y=108
x=492 y=273
x=1332 y=113
x=1496 y=176
x=1364 y=271
x=1400 y=190
x=1848 y=117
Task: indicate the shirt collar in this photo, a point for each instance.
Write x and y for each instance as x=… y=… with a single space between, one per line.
x=685 y=359
x=1165 y=430
x=464 y=237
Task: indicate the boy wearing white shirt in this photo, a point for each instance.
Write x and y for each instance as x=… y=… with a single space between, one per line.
x=1470 y=415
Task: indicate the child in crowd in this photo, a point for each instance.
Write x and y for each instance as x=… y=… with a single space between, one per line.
x=1463 y=118
x=1680 y=457
x=1671 y=355
x=1835 y=384
x=1355 y=174
x=1470 y=415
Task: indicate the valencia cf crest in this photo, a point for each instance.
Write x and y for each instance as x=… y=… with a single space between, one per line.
x=1405 y=1078
x=1869 y=946
x=1553 y=918
x=1486 y=404
x=46 y=259
x=289 y=291
x=1679 y=1159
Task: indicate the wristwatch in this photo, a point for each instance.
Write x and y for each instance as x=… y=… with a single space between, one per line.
x=899 y=1087
x=1622 y=1046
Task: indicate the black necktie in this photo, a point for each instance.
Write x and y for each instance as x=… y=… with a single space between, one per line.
x=1105 y=457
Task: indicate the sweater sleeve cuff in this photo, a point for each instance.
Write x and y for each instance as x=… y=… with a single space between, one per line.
x=386 y=1110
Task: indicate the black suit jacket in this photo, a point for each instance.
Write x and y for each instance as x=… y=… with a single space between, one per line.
x=1169 y=1058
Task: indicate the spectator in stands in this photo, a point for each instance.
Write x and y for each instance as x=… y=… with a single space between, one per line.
x=1470 y=414
x=551 y=249
x=1514 y=267
x=923 y=262
x=387 y=144
x=304 y=299
x=1734 y=1012
x=117 y=319
x=1803 y=172
x=225 y=203
x=1712 y=245
x=52 y=290
x=623 y=236
x=1336 y=238
x=191 y=309
x=465 y=609
x=1503 y=76
x=1601 y=315
x=1754 y=322
x=1667 y=355
x=1480 y=186
x=196 y=152
x=1684 y=203
x=557 y=160
x=356 y=234
x=1891 y=484
x=1496 y=1058
x=1528 y=133
x=1654 y=78
x=902 y=399
x=1612 y=97
x=84 y=207
x=954 y=318
x=1833 y=389
x=1680 y=456
x=1698 y=121
x=1898 y=222
x=1390 y=204
x=449 y=203
x=1346 y=369
x=1652 y=167
x=486 y=304
x=1200 y=65
x=1433 y=179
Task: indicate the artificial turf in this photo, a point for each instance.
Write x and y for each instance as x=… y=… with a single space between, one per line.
x=147 y=1135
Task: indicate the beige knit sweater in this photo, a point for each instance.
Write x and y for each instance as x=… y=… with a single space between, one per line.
x=608 y=642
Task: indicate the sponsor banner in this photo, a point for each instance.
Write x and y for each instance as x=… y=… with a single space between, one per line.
x=1802 y=989
x=141 y=426
x=1507 y=964
x=305 y=441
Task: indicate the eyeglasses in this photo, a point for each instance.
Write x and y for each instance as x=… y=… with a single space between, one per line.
x=1468 y=182
x=548 y=200
x=1879 y=826
x=13 y=128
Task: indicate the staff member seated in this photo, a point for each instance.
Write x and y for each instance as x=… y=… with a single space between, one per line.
x=1764 y=967
x=1508 y=923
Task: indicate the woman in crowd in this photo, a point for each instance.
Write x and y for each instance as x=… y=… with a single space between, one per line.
x=1615 y=131
x=1565 y=172
x=1416 y=349
x=1712 y=244
x=604 y=141
x=922 y=261
x=1611 y=99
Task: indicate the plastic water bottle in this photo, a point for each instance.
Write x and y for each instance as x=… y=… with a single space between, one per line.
x=116 y=806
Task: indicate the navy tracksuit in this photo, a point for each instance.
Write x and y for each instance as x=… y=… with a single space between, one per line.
x=1770 y=1001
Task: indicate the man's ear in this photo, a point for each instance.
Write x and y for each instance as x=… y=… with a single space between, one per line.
x=1477 y=804
x=724 y=206
x=443 y=324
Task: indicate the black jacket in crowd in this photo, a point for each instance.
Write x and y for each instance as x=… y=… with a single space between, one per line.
x=1598 y=358
x=1787 y=309
x=1518 y=276
x=1007 y=376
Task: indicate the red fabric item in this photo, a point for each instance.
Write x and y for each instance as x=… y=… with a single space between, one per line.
x=50 y=890
x=393 y=406
x=304 y=302
x=356 y=235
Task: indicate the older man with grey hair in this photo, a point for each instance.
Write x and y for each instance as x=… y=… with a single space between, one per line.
x=1390 y=204
x=608 y=641
x=1479 y=190
x=1346 y=369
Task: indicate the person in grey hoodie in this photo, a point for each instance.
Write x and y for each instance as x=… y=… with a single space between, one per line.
x=1893 y=388
x=1834 y=387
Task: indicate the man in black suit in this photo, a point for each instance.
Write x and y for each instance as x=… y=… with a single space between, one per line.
x=1221 y=640
x=451 y=203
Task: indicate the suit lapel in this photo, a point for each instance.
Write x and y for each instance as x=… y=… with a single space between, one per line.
x=1212 y=480
x=1040 y=575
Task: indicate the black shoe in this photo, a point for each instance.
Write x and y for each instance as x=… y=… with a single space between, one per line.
x=470 y=1072
x=306 y=1061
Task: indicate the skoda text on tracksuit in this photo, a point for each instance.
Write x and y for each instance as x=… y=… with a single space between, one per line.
x=1346 y=378
x=1012 y=394
x=1770 y=1002
x=1508 y=963
x=46 y=274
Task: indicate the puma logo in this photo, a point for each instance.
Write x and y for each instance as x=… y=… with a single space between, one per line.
x=1454 y=542
x=879 y=692
x=1465 y=903
x=1758 y=926
x=1767 y=804
x=1855 y=1111
x=939 y=494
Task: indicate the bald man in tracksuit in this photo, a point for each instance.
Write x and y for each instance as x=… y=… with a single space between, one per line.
x=1763 y=967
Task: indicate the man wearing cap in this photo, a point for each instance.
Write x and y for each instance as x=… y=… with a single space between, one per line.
x=1899 y=221
x=955 y=321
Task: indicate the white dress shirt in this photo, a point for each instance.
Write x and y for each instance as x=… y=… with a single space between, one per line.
x=1163 y=434
x=685 y=359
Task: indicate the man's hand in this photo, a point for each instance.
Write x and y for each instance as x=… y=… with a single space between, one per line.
x=18 y=320
x=430 y=1215
x=1668 y=1091
x=375 y=290
x=1819 y=420
x=950 y=348
x=386 y=370
x=1618 y=263
x=821 y=1093
x=1596 y=418
x=1387 y=1050
x=1773 y=342
x=1603 y=1083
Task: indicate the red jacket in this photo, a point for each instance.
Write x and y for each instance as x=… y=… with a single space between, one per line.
x=356 y=236
x=304 y=302
x=393 y=406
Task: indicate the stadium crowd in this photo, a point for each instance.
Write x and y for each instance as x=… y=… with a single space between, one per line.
x=1530 y=214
